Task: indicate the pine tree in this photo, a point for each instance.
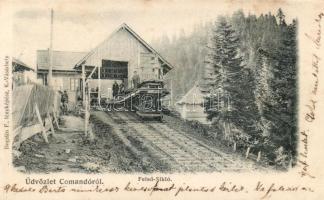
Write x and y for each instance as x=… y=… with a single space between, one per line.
x=283 y=110
x=231 y=101
x=281 y=17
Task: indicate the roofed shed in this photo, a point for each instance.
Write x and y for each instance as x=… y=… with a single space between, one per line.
x=191 y=105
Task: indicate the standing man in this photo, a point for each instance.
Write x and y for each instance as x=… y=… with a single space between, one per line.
x=135 y=79
x=65 y=100
x=115 y=89
x=121 y=88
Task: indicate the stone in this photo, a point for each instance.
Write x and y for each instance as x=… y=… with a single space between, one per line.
x=89 y=166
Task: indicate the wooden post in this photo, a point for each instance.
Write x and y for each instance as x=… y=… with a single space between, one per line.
x=259 y=156
x=91 y=135
x=83 y=86
x=225 y=134
x=247 y=152
x=51 y=122
x=172 y=95
x=55 y=119
x=40 y=121
x=86 y=115
x=290 y=163
x=50 y=51
x=99 y=86
x=218 y=102
x=234 y=147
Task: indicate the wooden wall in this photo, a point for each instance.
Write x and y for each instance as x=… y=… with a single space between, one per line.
x=62 y=81
x=122 y=46
x=193 y=112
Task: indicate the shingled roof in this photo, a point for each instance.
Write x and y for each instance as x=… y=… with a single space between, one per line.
x=62 y=60
x=193 y=96
x=18 y=65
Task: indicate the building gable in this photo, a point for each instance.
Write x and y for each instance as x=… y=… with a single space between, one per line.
x=121 y=45
x=193 y=96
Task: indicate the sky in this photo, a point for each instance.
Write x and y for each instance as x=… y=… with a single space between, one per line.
x=82 y=25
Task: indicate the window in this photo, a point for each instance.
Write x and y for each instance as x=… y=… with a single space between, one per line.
x=74 y=84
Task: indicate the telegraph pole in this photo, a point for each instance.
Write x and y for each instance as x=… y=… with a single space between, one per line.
x=50 y=68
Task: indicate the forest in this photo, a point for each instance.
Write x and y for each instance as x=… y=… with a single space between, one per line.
x=247 y=67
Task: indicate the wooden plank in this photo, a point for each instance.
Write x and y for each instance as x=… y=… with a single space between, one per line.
x=83 y=84
x=23 y=133
x=55 y=119
x=40 y=121
x=50 y=122
x=92 y=72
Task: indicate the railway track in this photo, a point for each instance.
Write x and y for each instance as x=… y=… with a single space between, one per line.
x=179 y=150
x=135 y=130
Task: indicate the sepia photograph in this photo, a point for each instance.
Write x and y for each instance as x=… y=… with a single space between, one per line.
x=218 y=96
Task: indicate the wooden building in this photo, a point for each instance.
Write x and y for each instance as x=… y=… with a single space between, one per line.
x=65 y=76
x=22 y=74
x=115 y=59
x=119 y=56
x=191 y=105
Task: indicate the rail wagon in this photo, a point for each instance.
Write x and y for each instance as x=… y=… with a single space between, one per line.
x=145 y=100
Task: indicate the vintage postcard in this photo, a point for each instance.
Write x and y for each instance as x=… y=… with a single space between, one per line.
x=168 y=99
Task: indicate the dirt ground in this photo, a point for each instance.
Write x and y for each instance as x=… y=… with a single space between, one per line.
x=114 y=148
x=69 y=150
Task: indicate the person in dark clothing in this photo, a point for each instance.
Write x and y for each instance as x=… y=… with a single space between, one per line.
x=64 y=101
x=115 y=89
x=121 y=88
x=65 y=97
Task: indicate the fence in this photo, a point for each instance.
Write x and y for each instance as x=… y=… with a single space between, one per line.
x=34 y=107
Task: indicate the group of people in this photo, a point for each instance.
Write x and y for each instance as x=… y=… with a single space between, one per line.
x=118 y=89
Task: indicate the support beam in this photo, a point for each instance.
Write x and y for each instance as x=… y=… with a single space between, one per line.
x=83 y=86
x=89 y=77
x=50 y=51
x=99 y=86
x=23 y=133
x=51 y=123
x=40 y=121
x=172 y=95
x=87 y=113
x=55 y=119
